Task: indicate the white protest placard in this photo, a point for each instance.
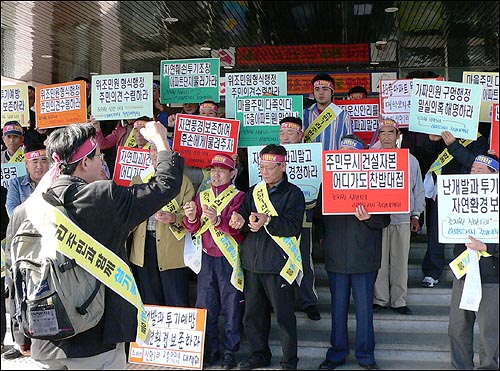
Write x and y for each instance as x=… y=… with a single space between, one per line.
x=123 y=96
x=15 y=104
x=260 y=117
x=177 y=337
x=252 y=84
x=489 y=82
x=303 y=167
x=468 y=206
x=129 y=163
x=438 y=106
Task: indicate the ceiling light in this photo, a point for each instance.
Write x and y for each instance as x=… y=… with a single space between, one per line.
x=205 y=48
x=374 y=63
x=391 y=9
x=46 y=56
x=228 y=67
x=171 y=19
x=381 y=42
x=93 y=73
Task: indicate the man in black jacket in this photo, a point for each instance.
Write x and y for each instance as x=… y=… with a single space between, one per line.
x=108 y=213
x=461 y=324
x=352 y=248
x=271 y=219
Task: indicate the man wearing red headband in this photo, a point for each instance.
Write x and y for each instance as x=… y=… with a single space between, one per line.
x=291 y=133
x=209 y=108
x=330 y=135
x=271 y=218
x=107 y=213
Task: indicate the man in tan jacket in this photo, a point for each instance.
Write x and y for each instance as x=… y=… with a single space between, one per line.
x=157 y=250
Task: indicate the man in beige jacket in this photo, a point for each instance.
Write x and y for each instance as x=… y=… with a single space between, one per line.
x=157 y=250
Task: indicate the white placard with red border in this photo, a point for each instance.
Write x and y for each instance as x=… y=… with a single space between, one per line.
x=199 y=138
x=129 y=163
x=377 y=179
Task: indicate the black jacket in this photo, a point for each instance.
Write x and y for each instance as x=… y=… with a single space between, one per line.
x=108 y=213
x=463 y=157
x=350 y=246
x=259 y=252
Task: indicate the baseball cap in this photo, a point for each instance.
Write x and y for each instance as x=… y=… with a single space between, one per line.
x=12 y=128
x=222 y=160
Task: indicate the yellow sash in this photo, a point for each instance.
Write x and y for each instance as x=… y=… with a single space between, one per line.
x=460 y=265
x=225 y=242
x=177 y=229
x=321 y=123
x=290 y=245
x=172 y=207
x=18 y=156
x=69 y=239
x=130 y=142
x=446 y=156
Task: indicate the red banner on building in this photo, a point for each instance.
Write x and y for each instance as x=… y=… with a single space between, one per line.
x=300 y=83
x=376 y=179
x=199 y=138
x=303 y=54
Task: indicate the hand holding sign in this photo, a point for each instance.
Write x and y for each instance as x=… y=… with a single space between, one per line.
x=362 y=214
x=448 y=137
x=476 y=244
x=154 y=131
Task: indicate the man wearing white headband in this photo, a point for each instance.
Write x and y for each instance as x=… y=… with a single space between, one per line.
x=107 y=213
x=271 y=218
x=391 y=286
x=462 y=322
x=323 y=89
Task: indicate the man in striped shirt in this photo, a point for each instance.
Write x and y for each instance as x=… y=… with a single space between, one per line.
x=323 y=89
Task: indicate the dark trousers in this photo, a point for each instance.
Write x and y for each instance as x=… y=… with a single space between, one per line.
x=263 y=291
x=169 y=287
x=433 y=263
x=307 y=292
x=362 y=286
x=215 y=292
x=3 y=308
x=22 y=341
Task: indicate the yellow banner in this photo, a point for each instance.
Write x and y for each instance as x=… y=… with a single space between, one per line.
x=445 y=156
x=460 y=265
x=321 y=123
x=226 y=243
x=177 y=229
x=3 y=261
x=290 y=245
x=206 y=182
x=89 y=253
x=130 y=142
x=18 y=156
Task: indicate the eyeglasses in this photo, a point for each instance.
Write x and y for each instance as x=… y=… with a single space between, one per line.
x=268 y=168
